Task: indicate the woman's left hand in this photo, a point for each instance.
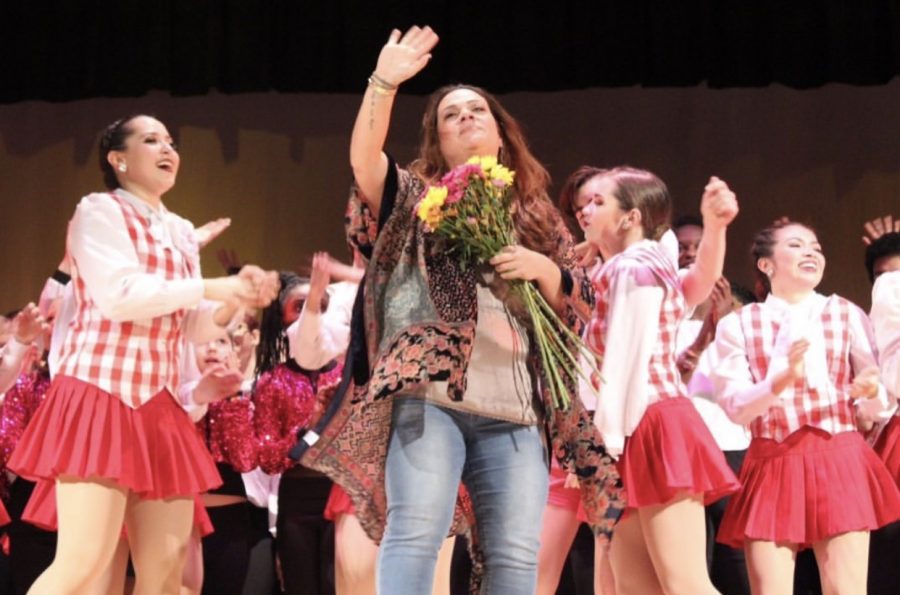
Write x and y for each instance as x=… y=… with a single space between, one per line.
x=518 y=262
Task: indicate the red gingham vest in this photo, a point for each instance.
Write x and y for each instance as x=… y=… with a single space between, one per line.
x=832 y=412
x=664 y=379
x=131 y=360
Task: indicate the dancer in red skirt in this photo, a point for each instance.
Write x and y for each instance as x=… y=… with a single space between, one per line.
x=110 y=433
x=668 y=460
x=883 y=265
x=799 y=369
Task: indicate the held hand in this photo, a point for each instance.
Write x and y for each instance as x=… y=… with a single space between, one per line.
x=208 y=232
x=402 y=58
x=865 y=384
x=263 y=286
x=29 y=324
x=719 y=204
x=218 y=382
x=518 y=262
x=879 y=226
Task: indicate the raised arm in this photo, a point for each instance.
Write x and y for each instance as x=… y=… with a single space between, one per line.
x=401 y=58
x=719 y=207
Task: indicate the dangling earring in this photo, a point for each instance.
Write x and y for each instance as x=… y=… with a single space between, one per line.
x=500 y=154
x=122 y=167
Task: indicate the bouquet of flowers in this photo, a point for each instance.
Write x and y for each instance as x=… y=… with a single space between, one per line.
x=470 y=207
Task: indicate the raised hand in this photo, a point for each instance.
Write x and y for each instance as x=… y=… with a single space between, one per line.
x=720 y=300
x=879 y=226
x=319 y=278
x=29 y=324
x=208 y=232
x=402 y=57
x=217 y=382
x=719 y=204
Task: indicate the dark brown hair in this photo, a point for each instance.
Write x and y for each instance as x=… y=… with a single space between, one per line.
x=535 y=217
x=573 y=184
x=763 y=247
x=642 y=190
x=113 y=139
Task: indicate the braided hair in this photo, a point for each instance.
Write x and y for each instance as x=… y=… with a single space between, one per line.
x=273 y=348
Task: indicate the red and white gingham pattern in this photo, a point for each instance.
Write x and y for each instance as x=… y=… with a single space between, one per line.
x=664 y=379
x=131 y=360
x=829 y=410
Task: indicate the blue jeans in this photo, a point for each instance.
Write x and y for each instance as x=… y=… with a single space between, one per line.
x=502 y=464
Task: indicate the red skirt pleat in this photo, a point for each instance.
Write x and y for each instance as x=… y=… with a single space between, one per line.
x=338 y=503
x=82 y=431
x=40 y=510
x=672 y=452
x=807 y=488
x=888 y=447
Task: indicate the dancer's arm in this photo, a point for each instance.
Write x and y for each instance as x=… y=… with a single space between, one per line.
x=400 y=59
x=719 y=207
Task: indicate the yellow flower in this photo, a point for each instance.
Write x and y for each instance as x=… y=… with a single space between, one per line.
x=501 y=176
x=429 y=209
x=486 y=162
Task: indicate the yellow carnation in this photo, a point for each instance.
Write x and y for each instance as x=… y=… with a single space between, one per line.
x=502 y=174
x=429 y=209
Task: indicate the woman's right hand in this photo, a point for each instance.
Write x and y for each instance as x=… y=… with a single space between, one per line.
x=796 y=359
x=251 y=287
x=217 y=382
x=402 y=58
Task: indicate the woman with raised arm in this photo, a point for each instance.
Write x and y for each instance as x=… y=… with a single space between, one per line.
x=446 y=386
x=799 y=369
x=110 y=434
x=669 y=463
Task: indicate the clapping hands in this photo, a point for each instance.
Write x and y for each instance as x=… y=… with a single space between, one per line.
x=28 y=324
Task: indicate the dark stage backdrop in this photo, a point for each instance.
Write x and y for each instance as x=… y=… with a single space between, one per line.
x=69 y=49
x=277 y=163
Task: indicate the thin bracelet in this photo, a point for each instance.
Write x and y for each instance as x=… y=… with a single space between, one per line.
x=377 y=80
x=380 y=86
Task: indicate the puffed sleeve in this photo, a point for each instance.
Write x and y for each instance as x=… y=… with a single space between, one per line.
x=635 y=299
x=105 y=260
x=740 y=396
x=885 y=317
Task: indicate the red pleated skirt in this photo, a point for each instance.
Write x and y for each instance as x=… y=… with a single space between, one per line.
x=338 y=503
x=40 y=510
x=809 y=487
x=672 y=452
x=888 y=447
x=82 y=431
x=562 y=497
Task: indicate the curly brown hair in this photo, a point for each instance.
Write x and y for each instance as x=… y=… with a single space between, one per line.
x=535 y=217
